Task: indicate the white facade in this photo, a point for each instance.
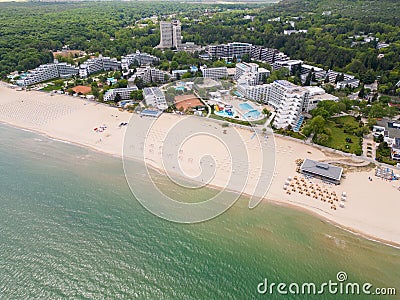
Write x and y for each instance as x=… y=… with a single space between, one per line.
x=149 y=74
x=125 y=93
x=353 y=83
x=263 y=54
x=214 y=73
x=253 y=92
x=230 y=50
x=97 y=64
x=317 y=95
x=251 y=72
x=289 y=101
x=332 y=75
x=66 y=70
x=140 y=58
x=154 y=97
x=291 y=65
x=49 y=72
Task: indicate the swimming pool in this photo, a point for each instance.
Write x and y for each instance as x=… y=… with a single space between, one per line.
x=245 y=106
x=252 y=114
x=180 y=88
x=229 y=113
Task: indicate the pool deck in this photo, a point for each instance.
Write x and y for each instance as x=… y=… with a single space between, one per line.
x=238 y=111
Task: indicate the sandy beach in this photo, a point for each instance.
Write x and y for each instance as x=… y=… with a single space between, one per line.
x=371 y=208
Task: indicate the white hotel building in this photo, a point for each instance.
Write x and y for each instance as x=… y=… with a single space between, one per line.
x=97 y=64
x=251 y=70
x=154 y=97
x=289 y=101
x=149 y=74
x=214 y=73
x=253 y=92
x=230 y=50
x=125 y=93
x=249 y=76
x=49 y=72
x=138 y=57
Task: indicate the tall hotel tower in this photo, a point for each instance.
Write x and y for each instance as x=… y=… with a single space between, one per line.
x=170 y=34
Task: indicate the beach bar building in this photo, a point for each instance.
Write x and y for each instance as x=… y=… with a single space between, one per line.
x=321 y=170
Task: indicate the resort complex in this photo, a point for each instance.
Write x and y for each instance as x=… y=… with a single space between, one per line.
x=200 y=149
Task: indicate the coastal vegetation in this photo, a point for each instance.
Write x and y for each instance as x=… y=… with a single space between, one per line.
x=342 y=34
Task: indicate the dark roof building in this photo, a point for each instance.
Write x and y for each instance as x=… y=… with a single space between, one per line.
x=392 y=127
x=321 y=170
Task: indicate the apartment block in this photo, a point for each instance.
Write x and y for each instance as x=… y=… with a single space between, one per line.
x=253 y=92
x=317 y=95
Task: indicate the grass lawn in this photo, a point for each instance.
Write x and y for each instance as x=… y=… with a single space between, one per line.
x=338 y=137
x=51 y=87
x=291 y=133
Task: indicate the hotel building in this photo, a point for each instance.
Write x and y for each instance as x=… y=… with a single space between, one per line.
x=317 y=95
x=332 y=75
x=170 y=34
x=154 y=97
x=149 y=74
x=140 y=59
x=319 y=73
x=263 y=54
x=254 y=92
x=251 y=70
x=249 y=76
x=97 y=64
x=230 y=50
x=49 y=72
x=214 y=73
x=289 y=101
x=124 y=93
x=291 y=65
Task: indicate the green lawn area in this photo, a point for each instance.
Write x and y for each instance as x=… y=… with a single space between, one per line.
x=342 y=128
x=291 y=133
x=51 y=87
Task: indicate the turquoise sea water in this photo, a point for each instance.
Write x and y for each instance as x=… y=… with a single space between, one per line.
x=70 y=228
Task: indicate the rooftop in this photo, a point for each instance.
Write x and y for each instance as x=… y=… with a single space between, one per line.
x=392 y=126
x=322 y=169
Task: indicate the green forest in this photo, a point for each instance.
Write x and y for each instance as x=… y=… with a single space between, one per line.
x=28 y=31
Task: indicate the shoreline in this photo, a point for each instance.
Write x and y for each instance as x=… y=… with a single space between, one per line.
x=292 y=205
x=273 y=195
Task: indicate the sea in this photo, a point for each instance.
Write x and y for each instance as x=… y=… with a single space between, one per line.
x=71 y=228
